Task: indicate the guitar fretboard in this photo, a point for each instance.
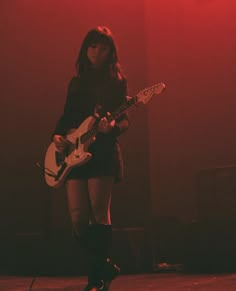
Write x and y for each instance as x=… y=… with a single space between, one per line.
x=114 y=115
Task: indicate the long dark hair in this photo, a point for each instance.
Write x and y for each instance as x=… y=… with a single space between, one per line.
x=100 y=34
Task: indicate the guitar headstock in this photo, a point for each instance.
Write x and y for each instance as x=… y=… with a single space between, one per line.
x=146 y=94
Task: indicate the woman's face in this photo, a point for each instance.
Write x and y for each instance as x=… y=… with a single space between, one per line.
x=97 y=54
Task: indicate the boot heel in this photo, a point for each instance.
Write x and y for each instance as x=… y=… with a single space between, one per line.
x=110 y=272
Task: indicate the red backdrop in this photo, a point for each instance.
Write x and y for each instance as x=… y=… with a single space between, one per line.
x=189 y=45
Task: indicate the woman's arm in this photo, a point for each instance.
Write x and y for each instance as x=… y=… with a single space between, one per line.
x=66 y=120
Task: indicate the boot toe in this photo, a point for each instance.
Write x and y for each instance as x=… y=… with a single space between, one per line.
x=95 y=287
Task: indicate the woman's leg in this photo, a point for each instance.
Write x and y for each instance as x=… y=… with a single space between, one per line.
x=79 y=209
x=100 y=190
x=78 y=205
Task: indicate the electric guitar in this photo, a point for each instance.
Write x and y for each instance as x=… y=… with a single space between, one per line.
x=57 y=165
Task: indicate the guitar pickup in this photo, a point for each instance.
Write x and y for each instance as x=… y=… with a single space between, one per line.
x=77 y=143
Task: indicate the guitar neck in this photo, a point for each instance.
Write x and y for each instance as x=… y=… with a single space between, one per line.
x=113 y=116
x=121 y=109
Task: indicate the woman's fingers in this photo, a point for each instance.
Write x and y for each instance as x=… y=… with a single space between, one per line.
x=60 y=142
x=106 y=126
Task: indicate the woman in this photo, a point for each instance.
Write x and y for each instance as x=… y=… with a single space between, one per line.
x=98 y=89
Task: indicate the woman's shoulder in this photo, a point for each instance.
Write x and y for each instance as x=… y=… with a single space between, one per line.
x=74 y=83
x=74 y=80
x=73 y=86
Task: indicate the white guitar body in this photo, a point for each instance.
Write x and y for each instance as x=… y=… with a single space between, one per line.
x=57 y=165
x=77 y=156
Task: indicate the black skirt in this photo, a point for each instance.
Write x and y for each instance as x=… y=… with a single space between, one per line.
x=105 y=161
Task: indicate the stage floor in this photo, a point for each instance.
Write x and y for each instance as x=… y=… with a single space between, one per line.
x=137 y=282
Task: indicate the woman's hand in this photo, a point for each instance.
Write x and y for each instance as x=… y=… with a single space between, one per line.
x=106 y=126
x=60 y=142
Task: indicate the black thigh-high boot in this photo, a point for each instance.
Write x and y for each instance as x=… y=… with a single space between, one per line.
x=102 y=270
